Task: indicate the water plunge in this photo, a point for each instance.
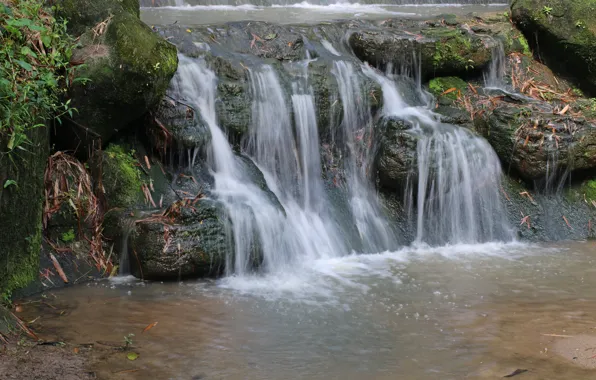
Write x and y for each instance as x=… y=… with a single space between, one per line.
x=286 y=220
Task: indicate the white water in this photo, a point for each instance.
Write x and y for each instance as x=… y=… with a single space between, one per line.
x=459 y=177
x=357 y=135
x=495 y=77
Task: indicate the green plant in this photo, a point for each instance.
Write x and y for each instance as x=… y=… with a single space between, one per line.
x=128 y=340
x=547 y=10
x=35 y=68
x=580 y=24
x=68 y=236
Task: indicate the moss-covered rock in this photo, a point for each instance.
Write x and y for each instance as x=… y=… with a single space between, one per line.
x=84 y=14
x=442 y=51
x=564 y=31
x=126 y=70
x=21 y=208
x=121 y=177
x=194 y=244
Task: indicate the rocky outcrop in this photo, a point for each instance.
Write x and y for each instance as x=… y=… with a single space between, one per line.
x=564 y=34
x=536 y=143
x=126 y=67
x=192 y=240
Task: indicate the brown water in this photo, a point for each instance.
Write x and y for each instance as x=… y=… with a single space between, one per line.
x=463 y=312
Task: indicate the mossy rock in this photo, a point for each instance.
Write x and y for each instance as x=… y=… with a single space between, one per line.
x=121 y=178
x=589 y=190
x=21 y=209
x=127 y=70
x=564 y=31
x=442 y=51
x=397 y=158
x=85 y=14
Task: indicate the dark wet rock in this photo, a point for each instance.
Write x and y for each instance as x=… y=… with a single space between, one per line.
x=563 y=33
x=396 y=162
x=183 y=123
x=194 y=244
x=536 y=143
x=21 y=209
x=126 y=70
x=548 y=214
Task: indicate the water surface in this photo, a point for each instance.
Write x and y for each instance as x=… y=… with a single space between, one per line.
x=467 y=311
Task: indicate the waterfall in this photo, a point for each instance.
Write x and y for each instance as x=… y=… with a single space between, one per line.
x=256 y=222
x=495 y=77
x=458 y=177
x=356 y=133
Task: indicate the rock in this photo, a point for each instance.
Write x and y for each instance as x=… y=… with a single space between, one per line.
x=536 y=144
x=564 y=32
x=442 y=51
x=195 y=244
x=183 y=122
x=21 y=209
x=85 y=14
x=127 y=69
x=121 y=178
x=396 y=162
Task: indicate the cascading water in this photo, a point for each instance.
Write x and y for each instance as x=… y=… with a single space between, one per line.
x=495 y=77
x=255 y=219
x=457 y=191
x=356 y=134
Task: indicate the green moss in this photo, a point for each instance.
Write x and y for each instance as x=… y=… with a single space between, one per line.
x=121 y=177
x=589 y=189
x=68 y=236
x=438 y=86
x=83 y=14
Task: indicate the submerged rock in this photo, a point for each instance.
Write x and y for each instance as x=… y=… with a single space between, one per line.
x=126 y=70
x=564 y=32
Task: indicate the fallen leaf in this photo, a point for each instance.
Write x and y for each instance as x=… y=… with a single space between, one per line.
x=270 y=36
x=564 y=110
x=449 y=91
x=149 y=327
x=132 y=356
x=188 y=31
x=58 y=268
x=76 y=350
x=18 y=309
x=566 y=221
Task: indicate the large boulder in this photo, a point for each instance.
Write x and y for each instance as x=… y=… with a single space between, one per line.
x=125 y=68
x=191 y=240
x=21 y=209
x=441 y=51
x=564 y=32
x=536 y=143
x=85 y=14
